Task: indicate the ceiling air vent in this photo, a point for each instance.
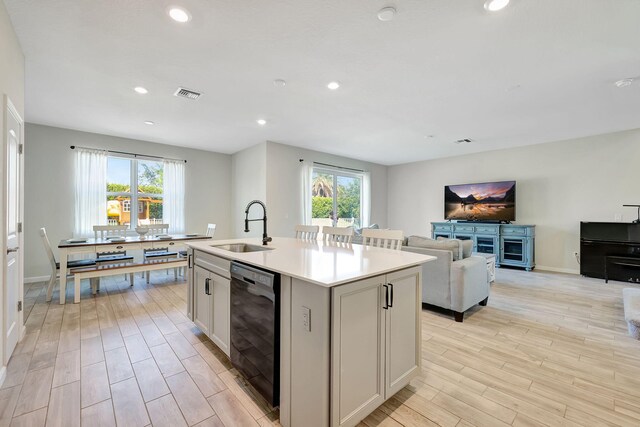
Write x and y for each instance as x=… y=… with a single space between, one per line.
x=187 y=93
x=461 y=141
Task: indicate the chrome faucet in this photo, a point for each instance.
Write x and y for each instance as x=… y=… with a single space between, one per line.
x=265 y=238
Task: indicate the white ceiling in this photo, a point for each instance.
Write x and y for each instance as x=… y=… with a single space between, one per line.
x=538 y=71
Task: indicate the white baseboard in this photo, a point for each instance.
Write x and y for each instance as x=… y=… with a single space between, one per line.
x=557 y=270
x=36 y=279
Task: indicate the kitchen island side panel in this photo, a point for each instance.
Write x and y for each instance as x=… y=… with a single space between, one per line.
x=309 y=368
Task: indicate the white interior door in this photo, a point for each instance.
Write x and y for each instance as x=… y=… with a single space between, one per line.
x=13 y=242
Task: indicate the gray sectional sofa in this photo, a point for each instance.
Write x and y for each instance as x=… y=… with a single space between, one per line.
x=456 y=280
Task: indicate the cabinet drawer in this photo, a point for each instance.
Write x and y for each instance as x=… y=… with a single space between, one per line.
x=486 y=230
x=121 y=247
x=446 y=227
x=167 y=244
x=464 y=228
x=514 y=231
x=213 y=263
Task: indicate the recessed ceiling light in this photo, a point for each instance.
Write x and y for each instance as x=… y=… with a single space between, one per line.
x=279 y=83
x=624 y=82
x=141 y=90
x=179 y=15
x=495 y=5
x=261 y=122
x=386 y=14
x=333 y=85
x=149 y=122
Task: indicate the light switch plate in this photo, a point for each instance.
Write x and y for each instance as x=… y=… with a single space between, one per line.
x=306 y=318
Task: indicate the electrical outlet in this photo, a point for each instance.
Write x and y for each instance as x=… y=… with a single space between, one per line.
x=306 y=318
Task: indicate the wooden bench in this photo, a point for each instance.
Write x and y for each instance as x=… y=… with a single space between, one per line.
x=120 y=268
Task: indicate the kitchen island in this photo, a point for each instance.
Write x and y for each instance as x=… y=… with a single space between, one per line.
x=349 y=320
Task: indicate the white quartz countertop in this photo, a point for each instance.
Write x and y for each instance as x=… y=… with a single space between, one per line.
x=323 y=263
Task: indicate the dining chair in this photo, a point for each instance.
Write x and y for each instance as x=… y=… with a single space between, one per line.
x=158 y=253
x=307 y=232
x=111 y=257
x=388 y=239
x=211 y=230
x=104 y=231
x=337 y=234
x=155 y=229
x=55 y=266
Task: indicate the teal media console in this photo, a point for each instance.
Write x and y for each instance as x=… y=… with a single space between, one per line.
x=513 y=245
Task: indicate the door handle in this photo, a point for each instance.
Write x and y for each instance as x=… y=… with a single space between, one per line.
x=9 y=250
x=390 y=303
x=386 y=297
x=206 y=286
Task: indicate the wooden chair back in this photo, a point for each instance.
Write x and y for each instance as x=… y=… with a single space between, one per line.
x=48 y=250
x=211 y=230
x=104 y=231
x=307 y=232
x=388 y=239
x=337 y=234
x=157 y=229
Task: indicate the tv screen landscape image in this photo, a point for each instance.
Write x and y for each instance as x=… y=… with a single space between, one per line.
x=489 y=201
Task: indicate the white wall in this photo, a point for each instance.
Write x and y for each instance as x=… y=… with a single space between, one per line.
x=558 y=185
x=12 y=85
x=271 y=172
x=49 y=186
x=12 y=64
x=249 y=183
x=284 y=185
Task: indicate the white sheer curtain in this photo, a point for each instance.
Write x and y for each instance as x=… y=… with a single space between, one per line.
x=91 y=191
x=366 y=199
x=173 y=189
x=307 y=179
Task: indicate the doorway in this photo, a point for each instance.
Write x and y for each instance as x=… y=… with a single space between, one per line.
x=13 y=237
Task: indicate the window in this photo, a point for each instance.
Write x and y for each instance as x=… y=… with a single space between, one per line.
x=336 y=198
x=125 y=174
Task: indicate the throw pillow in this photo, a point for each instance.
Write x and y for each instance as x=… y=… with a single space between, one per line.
x=451 y=245
x=467 y=248
x=358 y=231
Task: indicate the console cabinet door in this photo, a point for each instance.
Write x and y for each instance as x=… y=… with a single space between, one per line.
x=403 y=332
x=220 y=321
x=202 y=299
x=357 y=353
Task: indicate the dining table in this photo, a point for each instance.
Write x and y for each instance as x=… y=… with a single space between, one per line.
x=81 y=246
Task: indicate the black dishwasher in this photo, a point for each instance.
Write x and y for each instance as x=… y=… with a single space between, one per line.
x=255 y=328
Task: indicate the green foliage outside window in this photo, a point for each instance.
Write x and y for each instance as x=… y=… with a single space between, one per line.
x=348 y=198
x=321 y=207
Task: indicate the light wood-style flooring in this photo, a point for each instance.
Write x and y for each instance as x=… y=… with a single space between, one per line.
x=549 y=349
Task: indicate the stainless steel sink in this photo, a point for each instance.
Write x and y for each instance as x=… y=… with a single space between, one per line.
x=242 y=247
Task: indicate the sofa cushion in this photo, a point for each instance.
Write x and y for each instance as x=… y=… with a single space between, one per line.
x=451 y=245
x=467 y=248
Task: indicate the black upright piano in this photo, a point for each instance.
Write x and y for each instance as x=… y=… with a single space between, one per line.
x=610 y=250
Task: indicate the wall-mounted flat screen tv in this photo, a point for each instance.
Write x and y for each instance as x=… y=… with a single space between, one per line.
x=488 y=201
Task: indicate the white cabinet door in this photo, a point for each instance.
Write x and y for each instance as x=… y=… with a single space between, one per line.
x=403 y=331
x=357 y=354
x=202 y=299
x=220 y=312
